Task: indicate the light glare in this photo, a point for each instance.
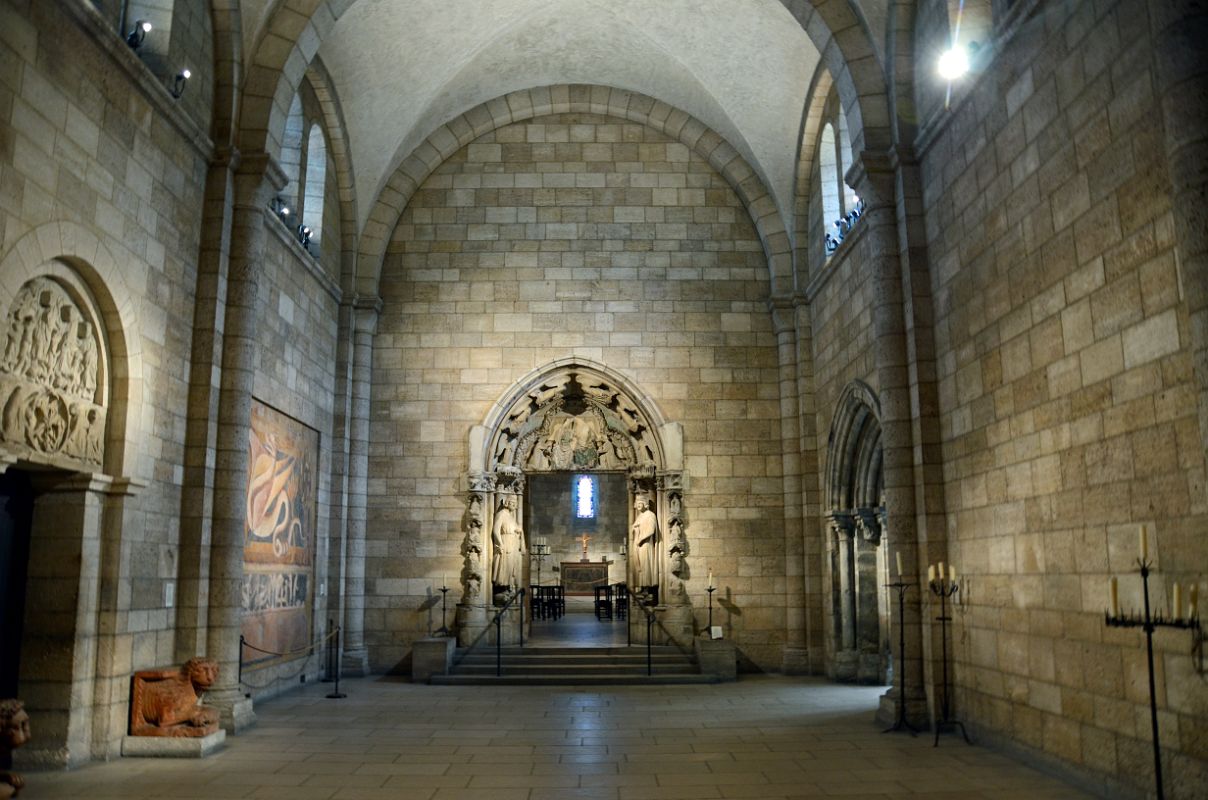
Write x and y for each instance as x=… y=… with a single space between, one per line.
x=954 y=63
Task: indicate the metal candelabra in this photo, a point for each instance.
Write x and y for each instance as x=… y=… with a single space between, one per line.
x=944 y=589
x=1149 y=624
x=444 y=629
x=540 y=552
x=900 y=671
x=711 y=590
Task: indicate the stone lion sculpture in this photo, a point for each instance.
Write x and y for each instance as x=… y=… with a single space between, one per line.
x=14 y=732
x=167 y=702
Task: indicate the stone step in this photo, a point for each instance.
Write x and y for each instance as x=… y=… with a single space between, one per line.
x=570 y=660
x=570 y=670
x=570 y=680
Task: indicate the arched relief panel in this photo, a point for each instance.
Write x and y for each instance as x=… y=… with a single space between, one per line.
x=66 y=266
x=54 y=375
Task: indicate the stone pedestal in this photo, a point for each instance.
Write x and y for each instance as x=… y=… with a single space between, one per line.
x=172 y=746
x=432 y=656
x=717 y=658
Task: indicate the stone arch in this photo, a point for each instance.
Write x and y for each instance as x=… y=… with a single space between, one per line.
x=855 y=486
x=575 y=414
x=296 y=28
x=74 y=255
x=811 y=126
x=523 y=105
x=338 y=159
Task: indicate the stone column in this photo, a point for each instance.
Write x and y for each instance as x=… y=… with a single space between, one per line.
x=355 y=660
x=813 y=548
x=1180 y=28
x=874 y=177
x=843 y=528
x=796 y=653
x=59 y=646
x=257 y=179
x=868 y=591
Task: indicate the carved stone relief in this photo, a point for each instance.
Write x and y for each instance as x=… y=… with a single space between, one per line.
x=566 y=424
x=50 y=369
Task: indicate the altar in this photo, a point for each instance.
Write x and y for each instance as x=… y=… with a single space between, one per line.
x=581 y=577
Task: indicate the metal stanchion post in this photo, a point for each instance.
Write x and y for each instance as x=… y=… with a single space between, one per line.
x=331 y=642
x=337 y=694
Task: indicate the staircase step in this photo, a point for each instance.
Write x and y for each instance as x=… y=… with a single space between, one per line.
x=570 y=680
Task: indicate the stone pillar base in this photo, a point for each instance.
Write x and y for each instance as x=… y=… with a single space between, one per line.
x=796 y=661
x=471 y=621
x=717 y=658
x=432 y=656
x=235 y=711
x=916 y=710
x=354 y=663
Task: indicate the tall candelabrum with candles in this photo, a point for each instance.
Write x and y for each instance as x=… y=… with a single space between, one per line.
x=900 y=586
x=540 y=552
x=1150 y=622
x=944 y=585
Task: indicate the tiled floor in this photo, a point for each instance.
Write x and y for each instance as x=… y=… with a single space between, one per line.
x=763 y=737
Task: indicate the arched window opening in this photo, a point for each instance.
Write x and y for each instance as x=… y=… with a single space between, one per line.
x=311 y=211
x=291 y=160
x=146 y=25
x=829 y=167
x=585 y=497
x=846 y=193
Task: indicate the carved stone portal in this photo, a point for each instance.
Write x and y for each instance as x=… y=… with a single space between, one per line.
x=51 y=369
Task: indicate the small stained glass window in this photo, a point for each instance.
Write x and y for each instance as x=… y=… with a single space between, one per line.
x=585 y=497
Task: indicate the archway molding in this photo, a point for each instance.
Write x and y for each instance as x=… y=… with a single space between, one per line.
x=411 y=171
x=75 y=258
x=575 y=414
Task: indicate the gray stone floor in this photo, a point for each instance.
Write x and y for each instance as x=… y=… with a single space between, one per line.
x=763 y=737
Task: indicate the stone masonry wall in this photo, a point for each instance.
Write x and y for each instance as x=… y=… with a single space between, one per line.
x=569 y=235
x=1067 y=395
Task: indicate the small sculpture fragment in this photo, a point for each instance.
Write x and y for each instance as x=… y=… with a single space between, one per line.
x=14 y=732
x=167 y=702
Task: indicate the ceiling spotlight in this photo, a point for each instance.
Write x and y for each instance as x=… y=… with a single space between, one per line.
x=954 y=63
x=138 y=33
x=178 y=84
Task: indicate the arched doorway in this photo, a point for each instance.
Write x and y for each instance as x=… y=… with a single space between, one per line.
x=858 y=569
x=574 y=416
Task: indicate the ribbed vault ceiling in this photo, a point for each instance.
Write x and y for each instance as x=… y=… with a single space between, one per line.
x=401 y=68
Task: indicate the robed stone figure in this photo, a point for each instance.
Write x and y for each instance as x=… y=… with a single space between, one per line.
x=645 y=545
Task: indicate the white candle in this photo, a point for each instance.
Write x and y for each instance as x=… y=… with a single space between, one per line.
x=939 y=573
x=1178 y=601
x=1113 y=591
x=710 y=577
x=951 y=574
x=899 y=558
x=1193 y=600
x=1144 y=534
x=931 y=573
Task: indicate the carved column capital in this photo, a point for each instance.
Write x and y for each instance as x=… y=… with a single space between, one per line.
x=872 y=177
x=842 y=525
x=869 y=524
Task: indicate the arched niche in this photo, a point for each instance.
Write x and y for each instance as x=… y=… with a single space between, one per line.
x=855 y=516
x=573 y=415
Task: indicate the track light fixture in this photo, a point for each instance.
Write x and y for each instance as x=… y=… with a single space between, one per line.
x=138 y=33
x=178 y=83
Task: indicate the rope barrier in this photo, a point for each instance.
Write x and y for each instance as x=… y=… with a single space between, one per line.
x=308 y=647
x=310 y=650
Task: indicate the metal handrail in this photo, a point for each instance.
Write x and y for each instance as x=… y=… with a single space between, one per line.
x=497 y=622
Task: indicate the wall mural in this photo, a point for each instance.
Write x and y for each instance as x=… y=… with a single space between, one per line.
x=50 y=370
x=279 y=534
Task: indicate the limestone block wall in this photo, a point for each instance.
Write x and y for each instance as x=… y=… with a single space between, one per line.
x=574 y=234
x=841 y=317
x=108 y=172
x=295 y=374
x=1067 y=395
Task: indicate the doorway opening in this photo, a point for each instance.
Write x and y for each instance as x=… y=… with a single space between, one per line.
x=576 y=524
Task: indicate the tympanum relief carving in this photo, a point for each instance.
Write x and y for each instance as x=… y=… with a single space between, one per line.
x=50 y=369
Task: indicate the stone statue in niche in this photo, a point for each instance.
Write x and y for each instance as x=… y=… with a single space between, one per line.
x=679 y=549
x=507 y=537
x=643 y=553
x=167 y=702
x=14 y=732
x=49 y=374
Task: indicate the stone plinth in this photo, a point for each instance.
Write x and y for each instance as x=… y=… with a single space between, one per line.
x=718 y=658
x=172 y=746
x=432 y=656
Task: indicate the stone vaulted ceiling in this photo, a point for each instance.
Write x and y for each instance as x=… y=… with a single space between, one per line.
x=403 y=67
